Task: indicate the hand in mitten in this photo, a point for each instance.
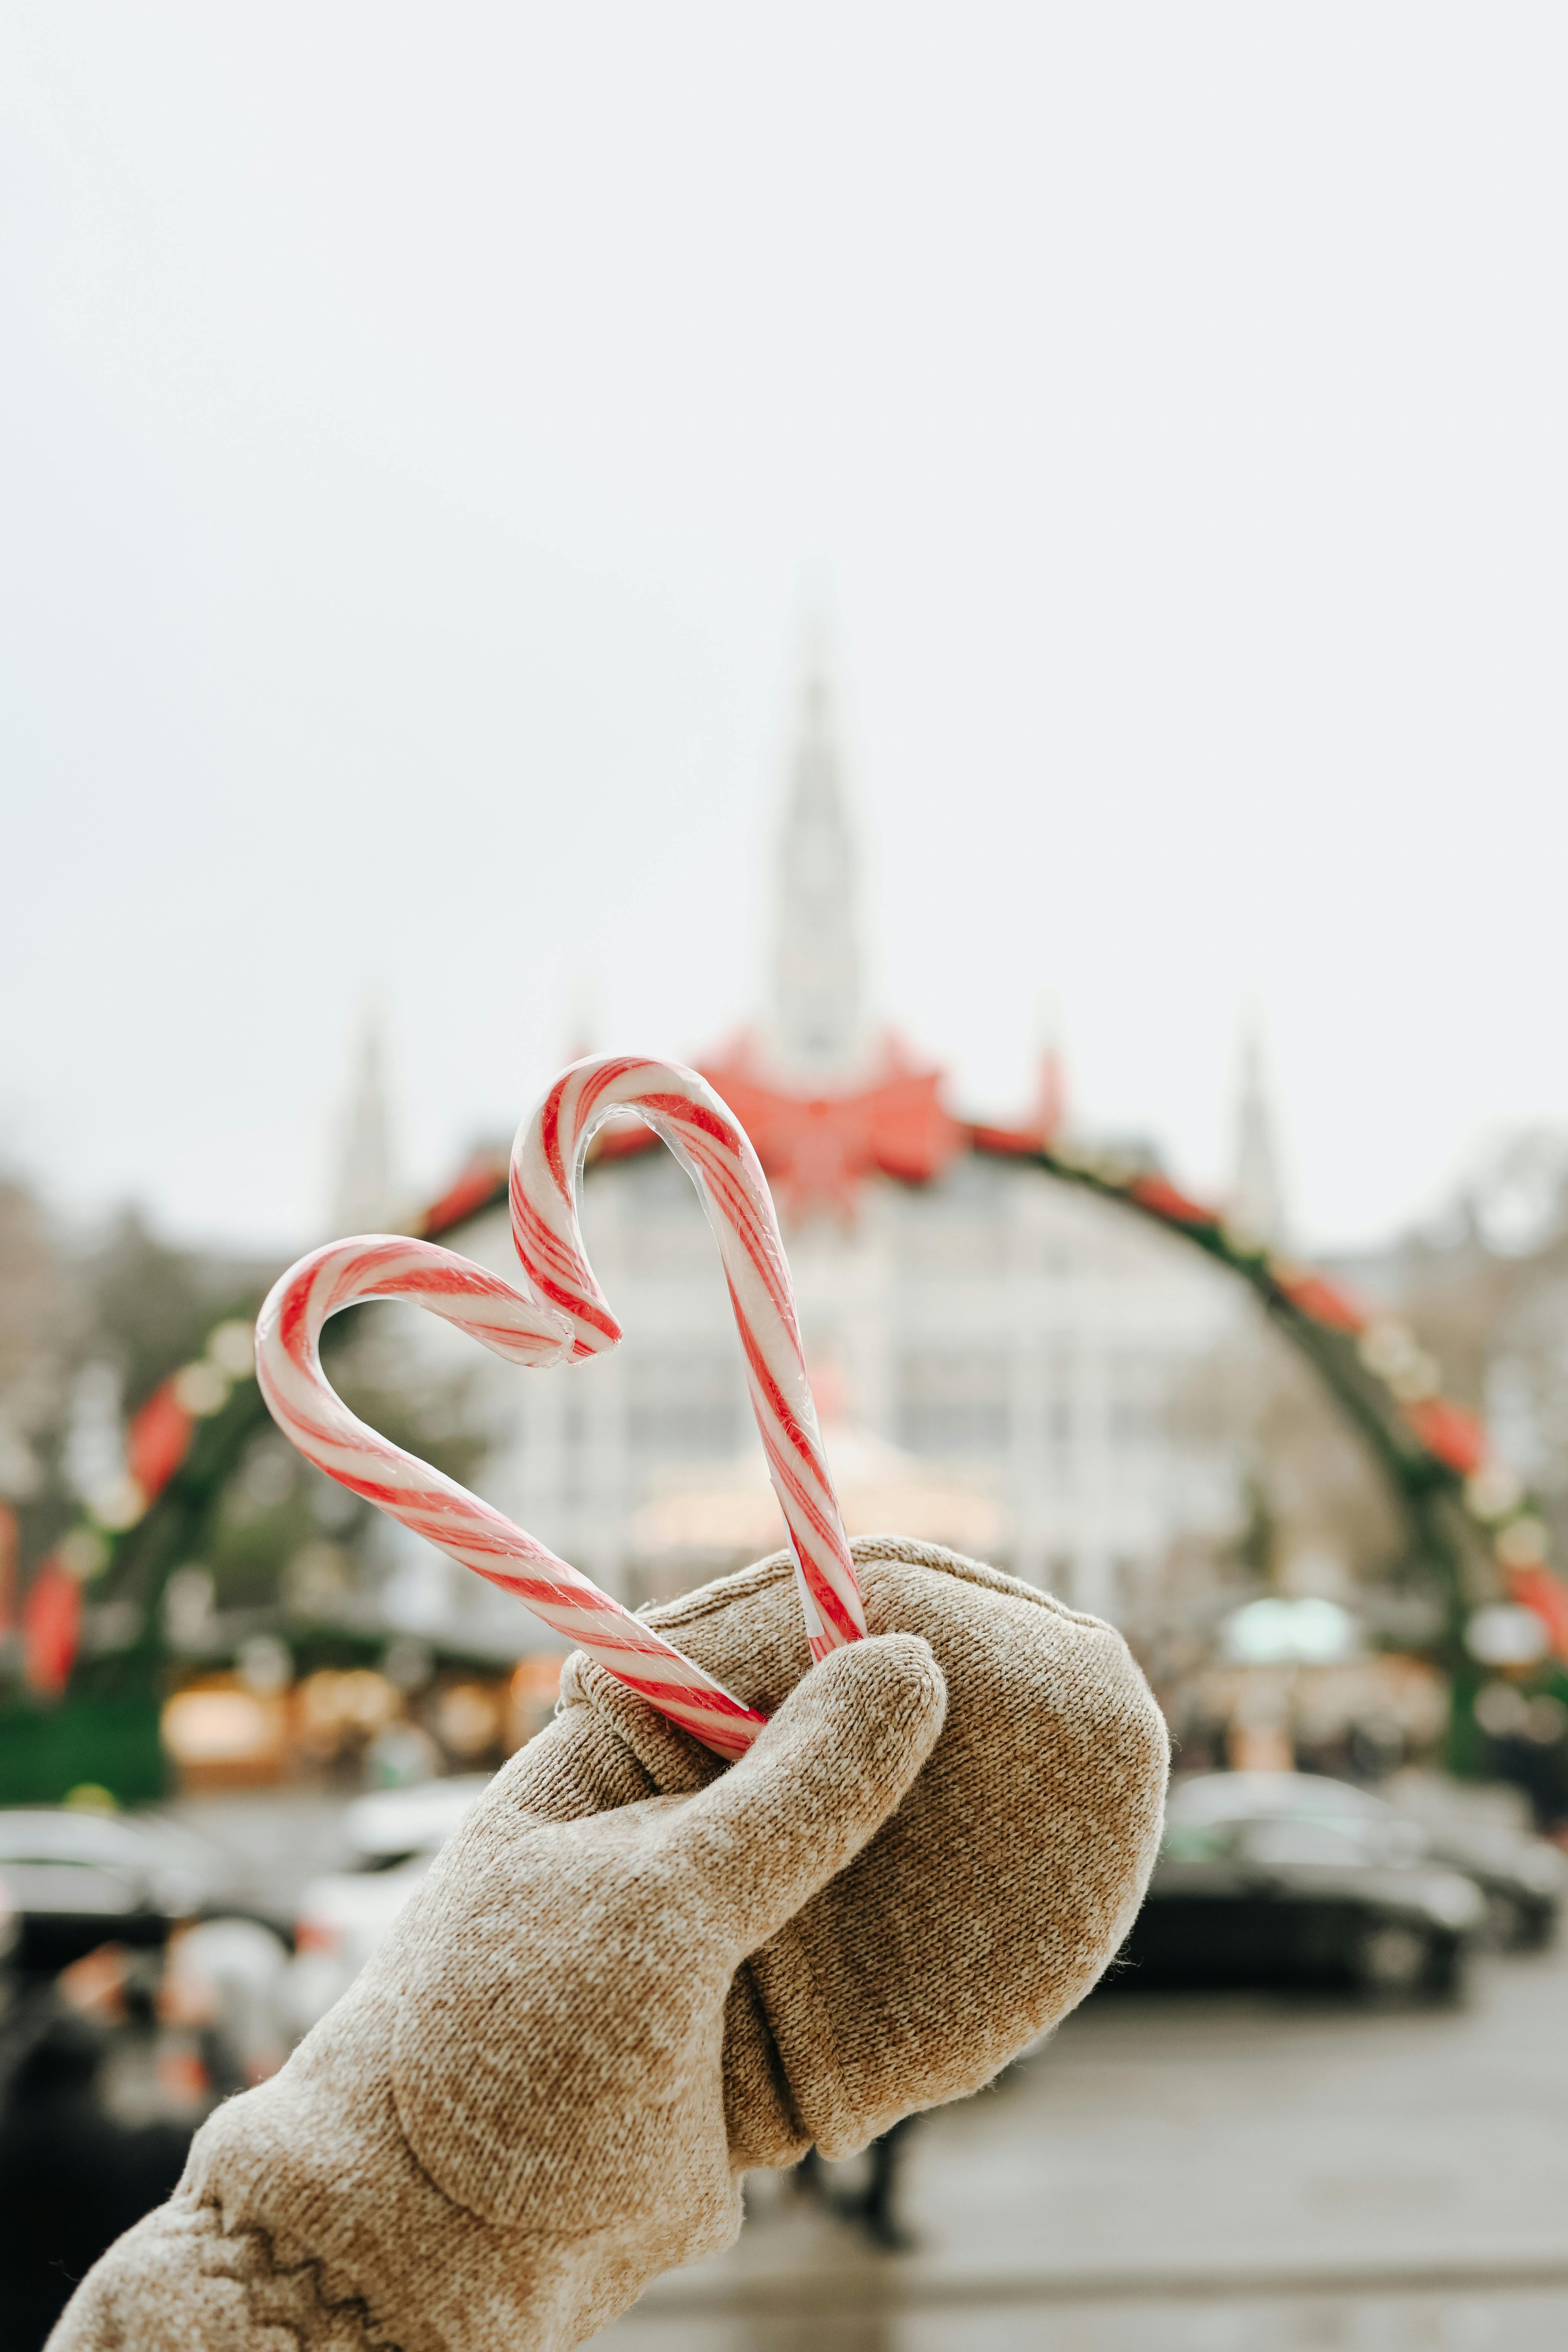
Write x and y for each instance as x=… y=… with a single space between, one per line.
x=517 y=2117
x=981 y=1913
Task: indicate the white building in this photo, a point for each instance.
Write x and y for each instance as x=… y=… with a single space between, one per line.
x=967 y=1308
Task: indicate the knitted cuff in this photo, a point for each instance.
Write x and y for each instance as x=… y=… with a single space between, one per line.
x=182 y=2282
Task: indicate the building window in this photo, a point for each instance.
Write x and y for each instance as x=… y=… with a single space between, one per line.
x=573 y=1445
x=1059 y=1420
x=954 y=1401
x=1138 y=1388
x=685 y=1405
x=960 y=1227
x=663 y=1231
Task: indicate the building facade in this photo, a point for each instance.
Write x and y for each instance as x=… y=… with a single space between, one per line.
x=957 y=1303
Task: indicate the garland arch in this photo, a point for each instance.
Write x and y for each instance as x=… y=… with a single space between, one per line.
x=1470 y=1522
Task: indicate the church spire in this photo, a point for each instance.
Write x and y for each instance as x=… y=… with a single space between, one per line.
x=364 y=1197
x=1257 y=1200
x=815 y=1012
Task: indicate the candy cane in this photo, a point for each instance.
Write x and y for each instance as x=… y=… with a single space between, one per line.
x=716 y=1153
x=309 y=1411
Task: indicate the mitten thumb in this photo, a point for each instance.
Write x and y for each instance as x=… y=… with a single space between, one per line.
x=836 y=1759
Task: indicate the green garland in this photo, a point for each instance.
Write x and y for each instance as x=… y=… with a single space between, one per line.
x=109 y=1711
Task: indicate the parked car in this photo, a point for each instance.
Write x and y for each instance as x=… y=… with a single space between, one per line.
x=79 y=1879
x=1523 y=1878
x=393 y=1836
x=1265 y=1878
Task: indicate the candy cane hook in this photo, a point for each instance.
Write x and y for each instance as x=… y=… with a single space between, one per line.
x=716 y=1152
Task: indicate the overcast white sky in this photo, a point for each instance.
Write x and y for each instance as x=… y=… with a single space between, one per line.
x=426 y=433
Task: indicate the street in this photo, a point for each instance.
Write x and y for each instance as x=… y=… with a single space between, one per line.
x=1194 y=2174
x=1169 y=2173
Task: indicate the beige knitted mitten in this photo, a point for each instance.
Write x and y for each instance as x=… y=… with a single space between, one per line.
x=539 y=2094
x=984 y=1910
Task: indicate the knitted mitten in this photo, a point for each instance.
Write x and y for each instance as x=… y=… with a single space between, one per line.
x=634 y=1973
x=983 y=1911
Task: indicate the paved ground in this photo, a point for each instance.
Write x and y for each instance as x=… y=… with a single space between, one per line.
x=1195 y=2174
x=1170 y=2173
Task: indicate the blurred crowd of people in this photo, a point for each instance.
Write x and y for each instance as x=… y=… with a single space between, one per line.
x=107 y=2068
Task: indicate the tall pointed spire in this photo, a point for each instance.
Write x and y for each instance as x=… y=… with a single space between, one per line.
x=365 y=1198
x=1256 y=1198
x=815 y=1015
x=1049 y=1112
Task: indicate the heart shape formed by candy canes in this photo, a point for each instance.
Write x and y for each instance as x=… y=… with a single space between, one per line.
x=716 y=1152
x=575 y=1322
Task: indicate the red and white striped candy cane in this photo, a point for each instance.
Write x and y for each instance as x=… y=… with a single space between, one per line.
x=716 y=1153
x=309 y=1411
